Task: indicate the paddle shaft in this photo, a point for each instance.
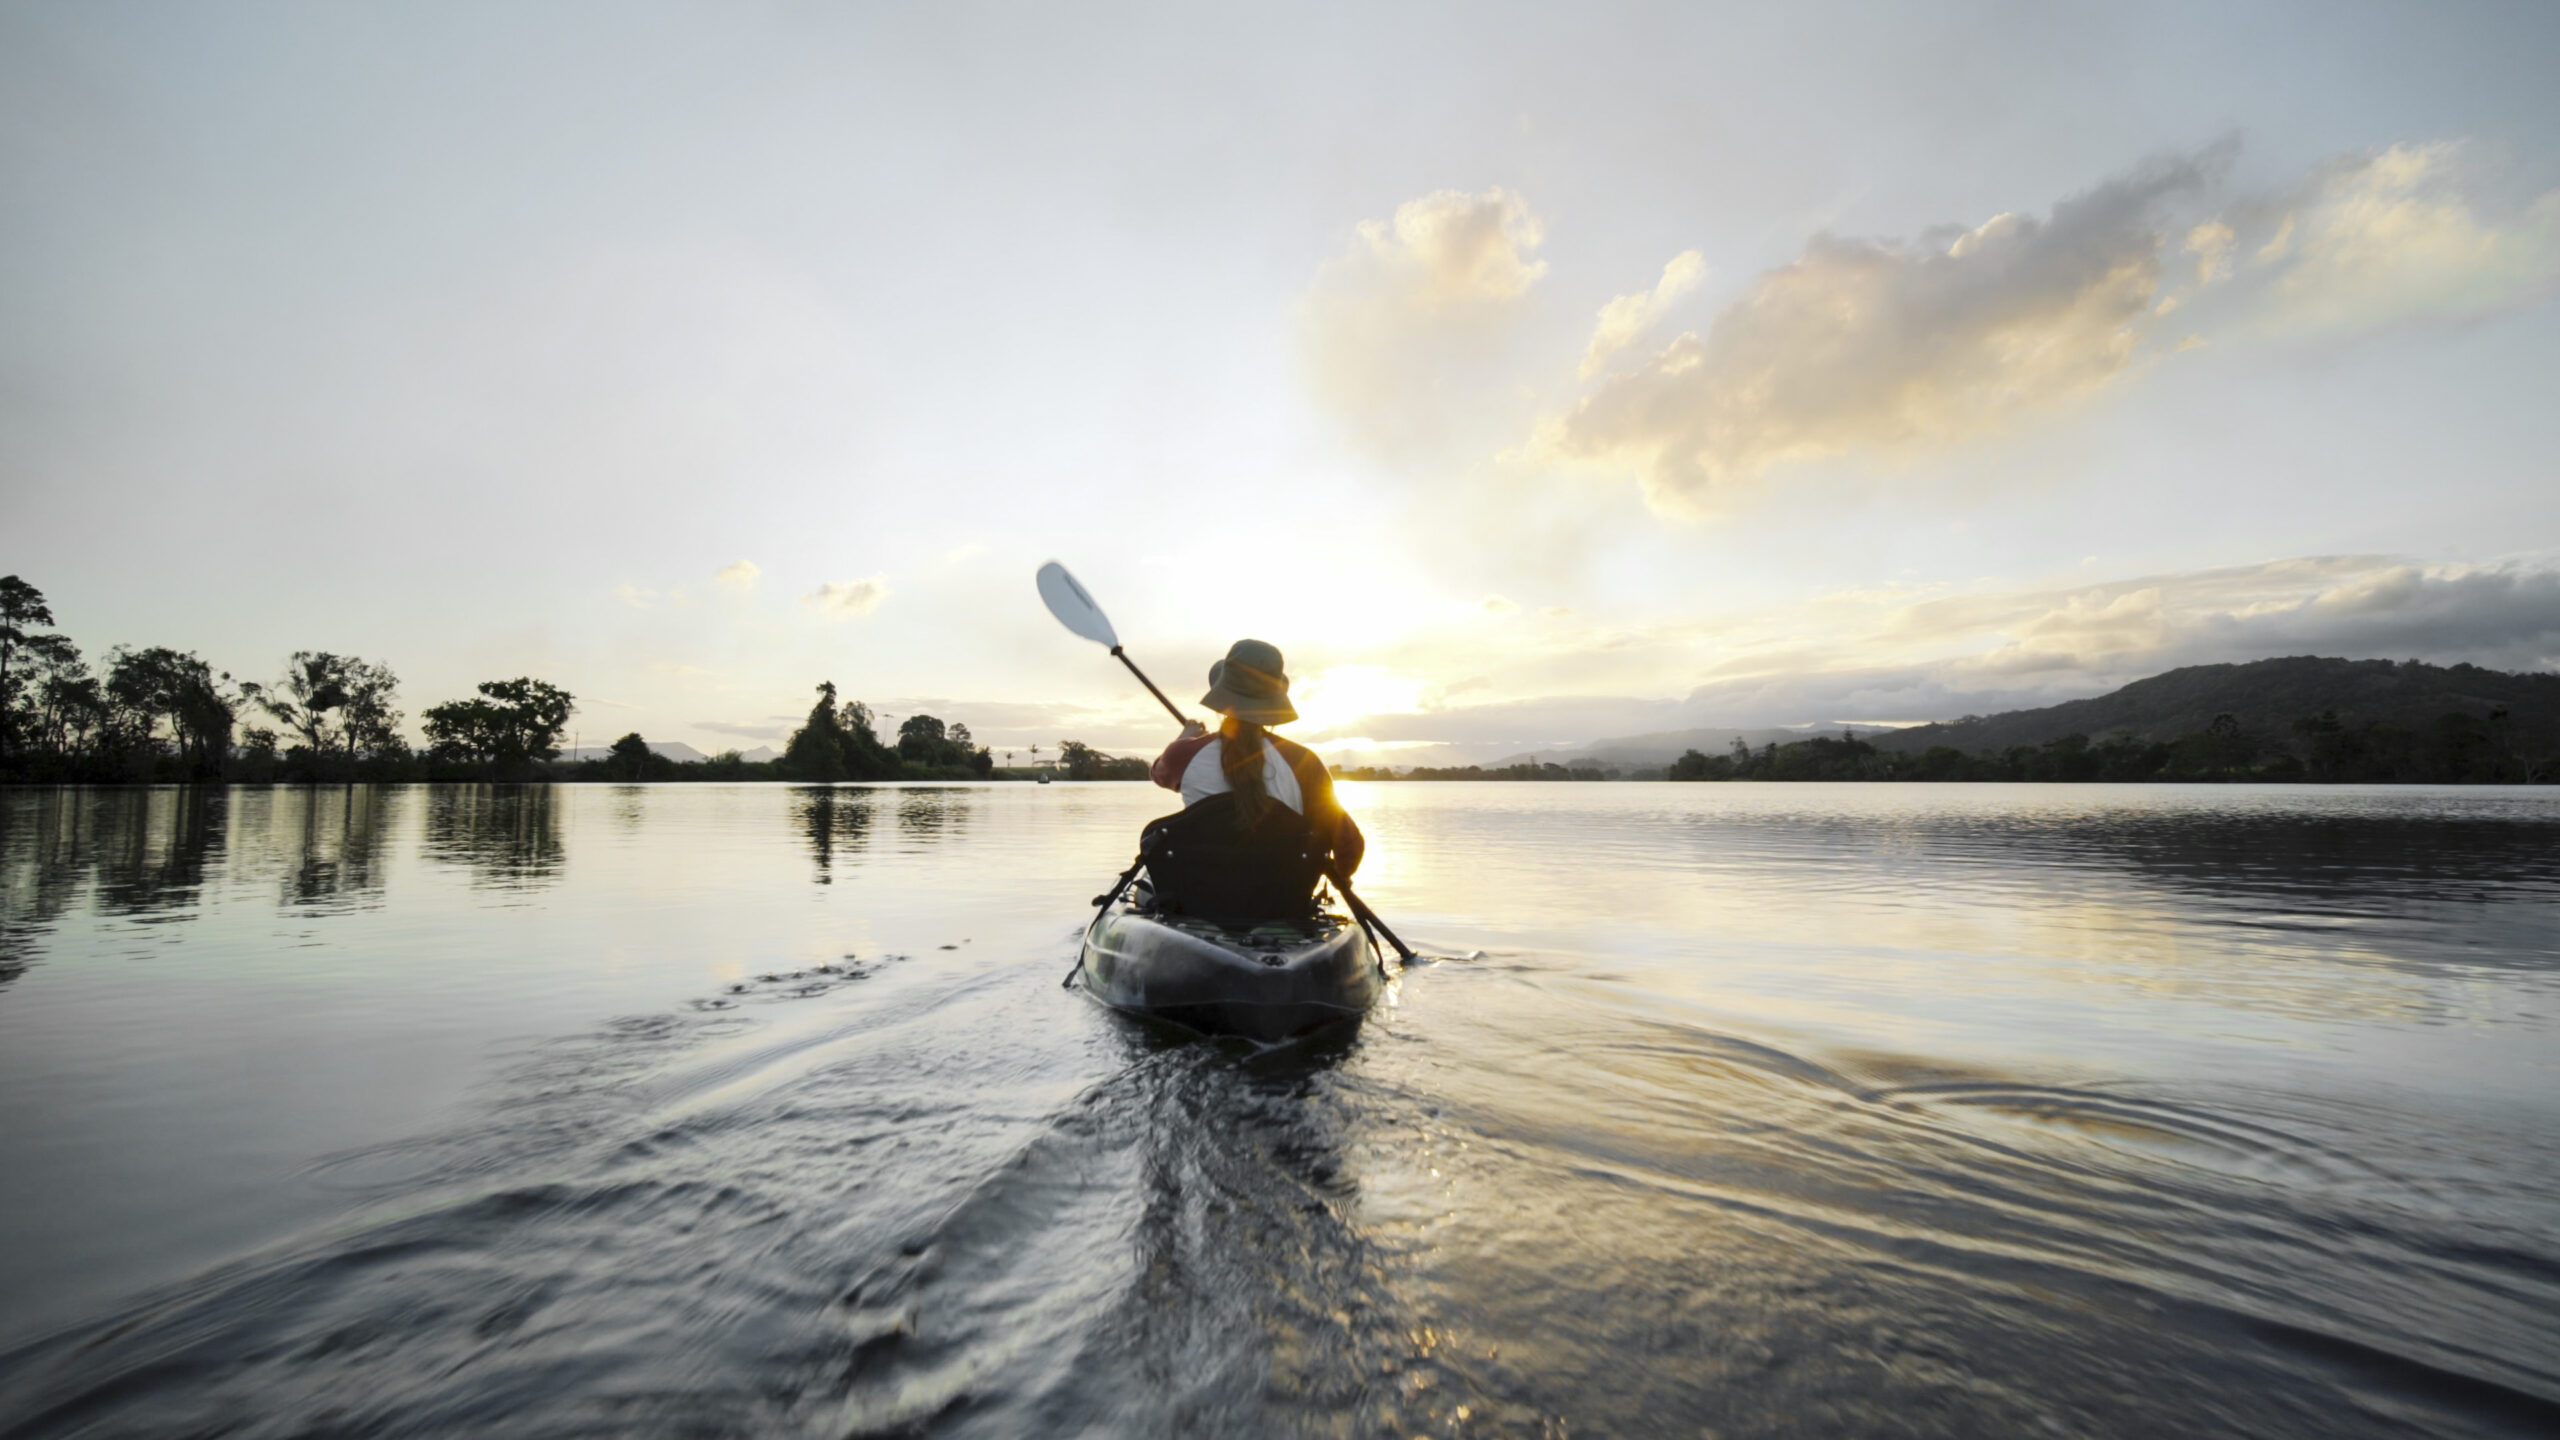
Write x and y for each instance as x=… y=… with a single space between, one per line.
x=1360 y=911
x=1123 y=657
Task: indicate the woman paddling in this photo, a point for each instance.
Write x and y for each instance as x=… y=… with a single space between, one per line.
x=1259 y=768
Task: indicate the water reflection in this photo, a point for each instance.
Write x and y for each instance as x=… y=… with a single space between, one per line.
x=508 y=836
x=339 y=836
x=144 y=853
x=2363 y=859
x=46 y=847
x=154 y=848
x=926 y=817
x=833 y=819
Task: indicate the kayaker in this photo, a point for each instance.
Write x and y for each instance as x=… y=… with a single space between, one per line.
x=1251 y=690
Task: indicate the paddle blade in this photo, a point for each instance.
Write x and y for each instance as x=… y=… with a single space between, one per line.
x=1074 y=608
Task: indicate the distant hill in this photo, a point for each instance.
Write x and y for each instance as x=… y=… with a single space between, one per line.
x=675 y=750
x=2267 y=697
x=1664 y=746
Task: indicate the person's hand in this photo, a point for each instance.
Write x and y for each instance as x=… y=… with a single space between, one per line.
x=1193 y=729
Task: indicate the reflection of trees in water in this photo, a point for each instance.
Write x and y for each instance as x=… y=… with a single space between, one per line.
x=147 y=850
x=337 y=846
x=154 y=847
x=508 y=836
x=2298 y=855
x=834 y=819
x=46 y=845
x=926 y=816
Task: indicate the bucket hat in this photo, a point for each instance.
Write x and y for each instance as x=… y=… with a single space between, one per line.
x=1250 y=685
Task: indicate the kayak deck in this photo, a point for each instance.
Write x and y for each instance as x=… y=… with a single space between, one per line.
x=1268 y=982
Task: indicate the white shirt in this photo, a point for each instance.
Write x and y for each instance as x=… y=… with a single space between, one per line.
x=1206 y=775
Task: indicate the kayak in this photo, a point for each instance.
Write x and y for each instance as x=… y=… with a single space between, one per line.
x=1267 y=982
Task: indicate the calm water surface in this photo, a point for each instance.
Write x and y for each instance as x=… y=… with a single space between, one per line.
x=1739 y=1110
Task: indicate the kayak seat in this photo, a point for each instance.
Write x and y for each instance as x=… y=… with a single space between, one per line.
x=1207 y=864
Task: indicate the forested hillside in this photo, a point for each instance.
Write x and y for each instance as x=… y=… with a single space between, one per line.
x=2268 y=698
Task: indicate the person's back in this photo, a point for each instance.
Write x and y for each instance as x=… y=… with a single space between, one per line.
x=1281 y=815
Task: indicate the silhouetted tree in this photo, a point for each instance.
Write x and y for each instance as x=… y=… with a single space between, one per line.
x=838 y=743
x=512 y=722
x=22 y=607
x=337 y=703
x=1083 y=762
x=156 y=687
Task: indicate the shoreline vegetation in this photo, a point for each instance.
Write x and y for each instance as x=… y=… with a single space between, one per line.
x=157 y=716
x=2322 y=750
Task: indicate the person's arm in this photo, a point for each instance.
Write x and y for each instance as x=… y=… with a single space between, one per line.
x=1167 y=771
x=1348 y=843
x=1324 y=808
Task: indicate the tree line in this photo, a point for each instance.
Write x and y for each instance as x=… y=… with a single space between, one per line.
x=159 y=715
x=2459 y=749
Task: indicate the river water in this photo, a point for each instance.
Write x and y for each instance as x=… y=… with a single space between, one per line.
x=1727 y=1110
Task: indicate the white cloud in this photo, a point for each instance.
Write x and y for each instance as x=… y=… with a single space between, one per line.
x=1885 y=347
x=2401 y=234
x=636 y=597
x=2211 y=244
x=838 y=598
x=740 y=575
x=1402 y=336
x=1624 y=320
x=1450 y=248
x=776 y=728
x=1862 y=345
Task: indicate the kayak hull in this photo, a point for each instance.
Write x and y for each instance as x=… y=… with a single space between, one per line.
x=1269 y=984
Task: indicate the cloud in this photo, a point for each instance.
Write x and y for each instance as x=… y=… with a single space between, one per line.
x=2395 y=235
x=1900 y=654
x=740 y=575
x=1624 y=320
x=1885 y=345
x=636 y=597
x=778 y=728
x=1450 y=248
x=839 y=598
x=1402 y=335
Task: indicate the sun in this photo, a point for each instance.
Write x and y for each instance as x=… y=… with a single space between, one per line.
x=1343 y=694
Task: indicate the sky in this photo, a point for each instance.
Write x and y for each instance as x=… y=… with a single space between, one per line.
x=1528 y=374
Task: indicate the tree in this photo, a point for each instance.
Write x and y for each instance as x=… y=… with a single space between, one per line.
x=334 y=702
x=837 y=743
x=159 y=686
x=21 y=608
x=1083 y=762
x=921 y=738
x=631 y=756
x=816 y=749
x=63 y=715
x=514 y=721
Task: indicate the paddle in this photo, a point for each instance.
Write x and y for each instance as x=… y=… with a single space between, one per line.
x=1075 y=609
